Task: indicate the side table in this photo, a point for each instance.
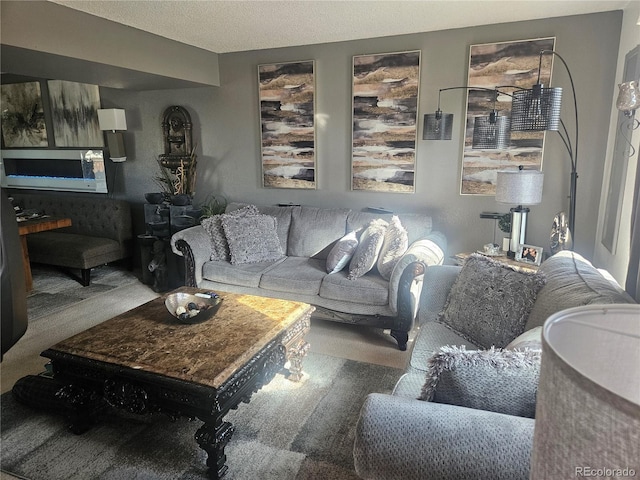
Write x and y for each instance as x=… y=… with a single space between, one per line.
x=459 y=259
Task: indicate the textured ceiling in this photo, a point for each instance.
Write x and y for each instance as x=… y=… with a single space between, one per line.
x=241 y=25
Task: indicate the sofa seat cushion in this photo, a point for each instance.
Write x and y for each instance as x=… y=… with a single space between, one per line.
x=71 y=249
x=369 y=289
x=296 y=275
x=246 y=274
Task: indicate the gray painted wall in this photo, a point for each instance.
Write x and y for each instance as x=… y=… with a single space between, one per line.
x=227 y=132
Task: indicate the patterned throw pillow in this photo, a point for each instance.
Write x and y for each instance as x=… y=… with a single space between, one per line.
x=396 y=242
x=503 y=381
x=252 y=238
x=213 y=226
x=489 y=302
x=366 y=255
x=342 y=252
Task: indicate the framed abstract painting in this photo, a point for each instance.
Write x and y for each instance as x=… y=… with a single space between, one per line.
x=23 y=122
x=287 y=124
x=74 y=109
x=507 y=66
x=385 y=106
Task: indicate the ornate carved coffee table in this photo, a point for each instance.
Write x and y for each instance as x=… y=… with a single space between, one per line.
x=146 y=361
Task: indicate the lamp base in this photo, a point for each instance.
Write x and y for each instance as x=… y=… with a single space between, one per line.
x=518 y=228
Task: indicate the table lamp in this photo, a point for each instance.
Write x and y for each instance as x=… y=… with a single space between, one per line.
x=519 y=187
x=588 y=404
x=114 y=121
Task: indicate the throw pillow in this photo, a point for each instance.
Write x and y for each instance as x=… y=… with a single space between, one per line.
x=489 y=302
x=396 y=242
x=252 y=238
x=531 y=339
x=213 y=226
x=366 y=255
x=503 y=381
x=342 y=252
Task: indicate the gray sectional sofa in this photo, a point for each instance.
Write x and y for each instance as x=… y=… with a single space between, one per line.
x=401 y=437
x=306 y=235
x=100 y=231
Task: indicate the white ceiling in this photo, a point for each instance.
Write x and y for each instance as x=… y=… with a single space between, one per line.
x=241 y=25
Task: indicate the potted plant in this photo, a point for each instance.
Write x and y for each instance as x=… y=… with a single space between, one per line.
x=213 y=205
x=504 y=224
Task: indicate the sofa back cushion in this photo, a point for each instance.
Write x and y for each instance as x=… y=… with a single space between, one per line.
x=95 y=216
x=572 y=281
x=418 y=225
x=314 y=230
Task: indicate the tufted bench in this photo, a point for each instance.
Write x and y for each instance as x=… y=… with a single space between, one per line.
x=100 y=231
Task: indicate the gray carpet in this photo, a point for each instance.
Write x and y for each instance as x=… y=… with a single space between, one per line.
x=289 y=430
x=54 y=288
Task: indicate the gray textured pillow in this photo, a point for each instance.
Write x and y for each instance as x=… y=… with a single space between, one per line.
x=503 y=381
x=489 y=302
x=252 y=238
x=213 y=226
x=396 y=242
x=342 y=252
x=366 y=255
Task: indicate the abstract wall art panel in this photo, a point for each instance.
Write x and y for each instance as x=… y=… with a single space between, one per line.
x=287 y=124
x=74 y=109
x=23 y=123
x=385 y=105
x=508 y=66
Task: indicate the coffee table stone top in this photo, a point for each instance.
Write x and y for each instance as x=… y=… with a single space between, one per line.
x=150 y=338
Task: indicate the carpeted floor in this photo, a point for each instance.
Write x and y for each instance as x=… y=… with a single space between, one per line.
x=54 y=289
x=288 y=431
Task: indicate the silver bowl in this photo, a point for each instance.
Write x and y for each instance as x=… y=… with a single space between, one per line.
x=206 y=305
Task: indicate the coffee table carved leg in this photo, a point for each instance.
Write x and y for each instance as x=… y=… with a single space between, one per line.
x=296 y=346
x=213 y=438
x=296 y=355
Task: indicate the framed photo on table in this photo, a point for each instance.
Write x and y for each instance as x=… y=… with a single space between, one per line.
x=529 y=254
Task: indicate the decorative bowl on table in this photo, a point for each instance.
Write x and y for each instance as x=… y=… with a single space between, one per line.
x=155 y=197
x=193 y=308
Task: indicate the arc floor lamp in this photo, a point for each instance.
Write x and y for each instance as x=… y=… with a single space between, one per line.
x=535 y=109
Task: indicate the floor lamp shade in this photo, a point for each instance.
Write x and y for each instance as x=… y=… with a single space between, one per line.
x=588 y=404
x=437 y=126
x=537 y=109
x=490 y=134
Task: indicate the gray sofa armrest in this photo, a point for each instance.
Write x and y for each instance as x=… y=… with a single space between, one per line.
x=401 y=438
x=429 y=250
x=195 y=246
x=436 y=285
